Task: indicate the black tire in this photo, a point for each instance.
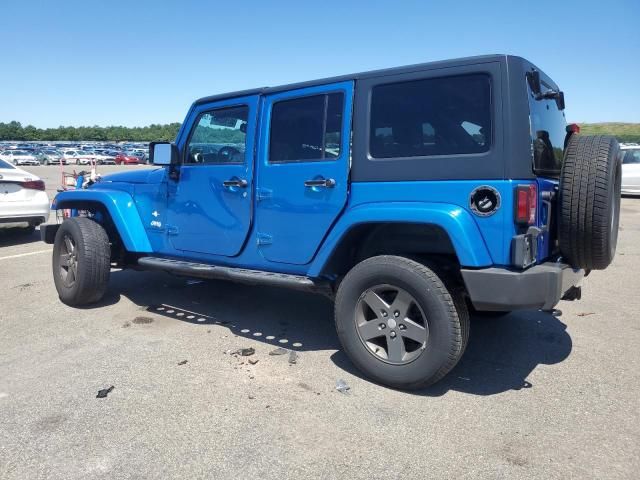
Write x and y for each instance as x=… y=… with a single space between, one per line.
x=84 y=280
x=589 y=203
x=445 y=314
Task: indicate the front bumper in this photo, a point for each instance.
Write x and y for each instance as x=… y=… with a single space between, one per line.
x=539 y=287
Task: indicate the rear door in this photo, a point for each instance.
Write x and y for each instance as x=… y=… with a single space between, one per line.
x=303 y=169
x=209 y=207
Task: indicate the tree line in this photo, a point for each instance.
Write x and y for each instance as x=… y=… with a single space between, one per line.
x=625 y=132
x=154 y=132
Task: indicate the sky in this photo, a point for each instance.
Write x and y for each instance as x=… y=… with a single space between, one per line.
x=137 y=62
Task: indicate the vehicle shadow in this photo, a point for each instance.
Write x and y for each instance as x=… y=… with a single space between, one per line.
x=501 y=354
x=12 y=236
x=276 y=316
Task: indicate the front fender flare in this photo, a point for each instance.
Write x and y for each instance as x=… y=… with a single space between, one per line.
x=120 y=206
x=462 y=229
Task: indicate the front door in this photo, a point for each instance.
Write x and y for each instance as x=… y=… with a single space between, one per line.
x=210 y=200
x=303 y=169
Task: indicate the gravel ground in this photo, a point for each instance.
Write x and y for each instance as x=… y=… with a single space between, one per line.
x=535 y=395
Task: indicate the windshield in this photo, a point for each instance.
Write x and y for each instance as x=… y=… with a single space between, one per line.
x=631 y=156
x=6 y=165
x=20 y=153
x=548 y=133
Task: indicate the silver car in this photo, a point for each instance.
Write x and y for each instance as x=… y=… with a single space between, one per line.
x=630 y=169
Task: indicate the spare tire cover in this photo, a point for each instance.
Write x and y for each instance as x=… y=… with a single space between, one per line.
x=589 y=203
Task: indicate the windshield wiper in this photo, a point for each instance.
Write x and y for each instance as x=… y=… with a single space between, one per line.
x=557 y=95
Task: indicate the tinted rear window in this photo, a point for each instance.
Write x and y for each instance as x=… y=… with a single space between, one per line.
x=548 y=133
x=434 y=116
x=306 y=128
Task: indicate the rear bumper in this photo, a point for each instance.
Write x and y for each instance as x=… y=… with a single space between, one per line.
x=35 y=210
x=539 y=287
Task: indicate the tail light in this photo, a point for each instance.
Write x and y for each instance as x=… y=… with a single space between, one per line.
x=526 y=203
x=33 y=185
x=573 y=128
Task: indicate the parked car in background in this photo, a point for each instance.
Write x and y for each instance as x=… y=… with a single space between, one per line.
x=50 y=157
x=22 y=198
x=141 y=154
x=78 y=157
x=630 y=169
x=103 y=158
x=19 y=157
x=127 y=159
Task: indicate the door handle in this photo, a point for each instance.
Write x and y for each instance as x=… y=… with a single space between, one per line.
x=238 y=182
x=321 y=182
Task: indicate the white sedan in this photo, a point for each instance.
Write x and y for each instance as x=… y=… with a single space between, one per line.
x=19 y=157
x=22 y=198
x=78 y=157
x=631 y=170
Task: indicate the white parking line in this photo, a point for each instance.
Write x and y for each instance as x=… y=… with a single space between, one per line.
x=25 y=254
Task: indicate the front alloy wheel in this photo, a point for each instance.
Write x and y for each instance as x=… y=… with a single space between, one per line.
x=81 y=261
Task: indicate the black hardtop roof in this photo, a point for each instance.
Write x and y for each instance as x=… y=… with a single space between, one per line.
x=362 y=75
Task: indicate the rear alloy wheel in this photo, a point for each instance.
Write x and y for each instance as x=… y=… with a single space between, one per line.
x=398 y=323
x=81 y=261
x=391 y=324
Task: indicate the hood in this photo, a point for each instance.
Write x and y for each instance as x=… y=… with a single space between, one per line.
x=145 y=175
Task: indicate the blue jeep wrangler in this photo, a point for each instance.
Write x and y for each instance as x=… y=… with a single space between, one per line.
x=410 y=196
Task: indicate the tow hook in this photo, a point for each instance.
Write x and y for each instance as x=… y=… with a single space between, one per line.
x=574 y=293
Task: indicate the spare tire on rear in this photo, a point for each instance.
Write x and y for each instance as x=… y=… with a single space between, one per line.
x=589 y=201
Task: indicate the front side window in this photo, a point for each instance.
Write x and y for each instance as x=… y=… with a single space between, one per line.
x=306 y=129
x=434 y=116
x=219 y=137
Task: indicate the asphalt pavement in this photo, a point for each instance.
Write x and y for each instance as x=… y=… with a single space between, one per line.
x=535 y=395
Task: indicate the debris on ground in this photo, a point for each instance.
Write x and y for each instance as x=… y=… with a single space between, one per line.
x=342 y=387
x=253 y=361
x=142 y=320
x=585 y=314
x=279 y=351
x=183 y=362
x=251 y=397
x=293 y=357
x=104 y=392
x=244 y=352
x=126 y=324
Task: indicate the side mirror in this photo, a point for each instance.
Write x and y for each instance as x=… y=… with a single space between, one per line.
x=163 y=153
x=533 y=77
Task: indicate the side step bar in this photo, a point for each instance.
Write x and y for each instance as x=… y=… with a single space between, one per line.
x=240 y=275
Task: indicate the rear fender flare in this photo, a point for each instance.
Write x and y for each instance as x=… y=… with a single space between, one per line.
x=458 y=223
x=121 y=208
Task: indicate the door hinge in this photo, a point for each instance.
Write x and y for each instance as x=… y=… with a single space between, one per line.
x=172 y=230
x=264 y=239
x=263 y=194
